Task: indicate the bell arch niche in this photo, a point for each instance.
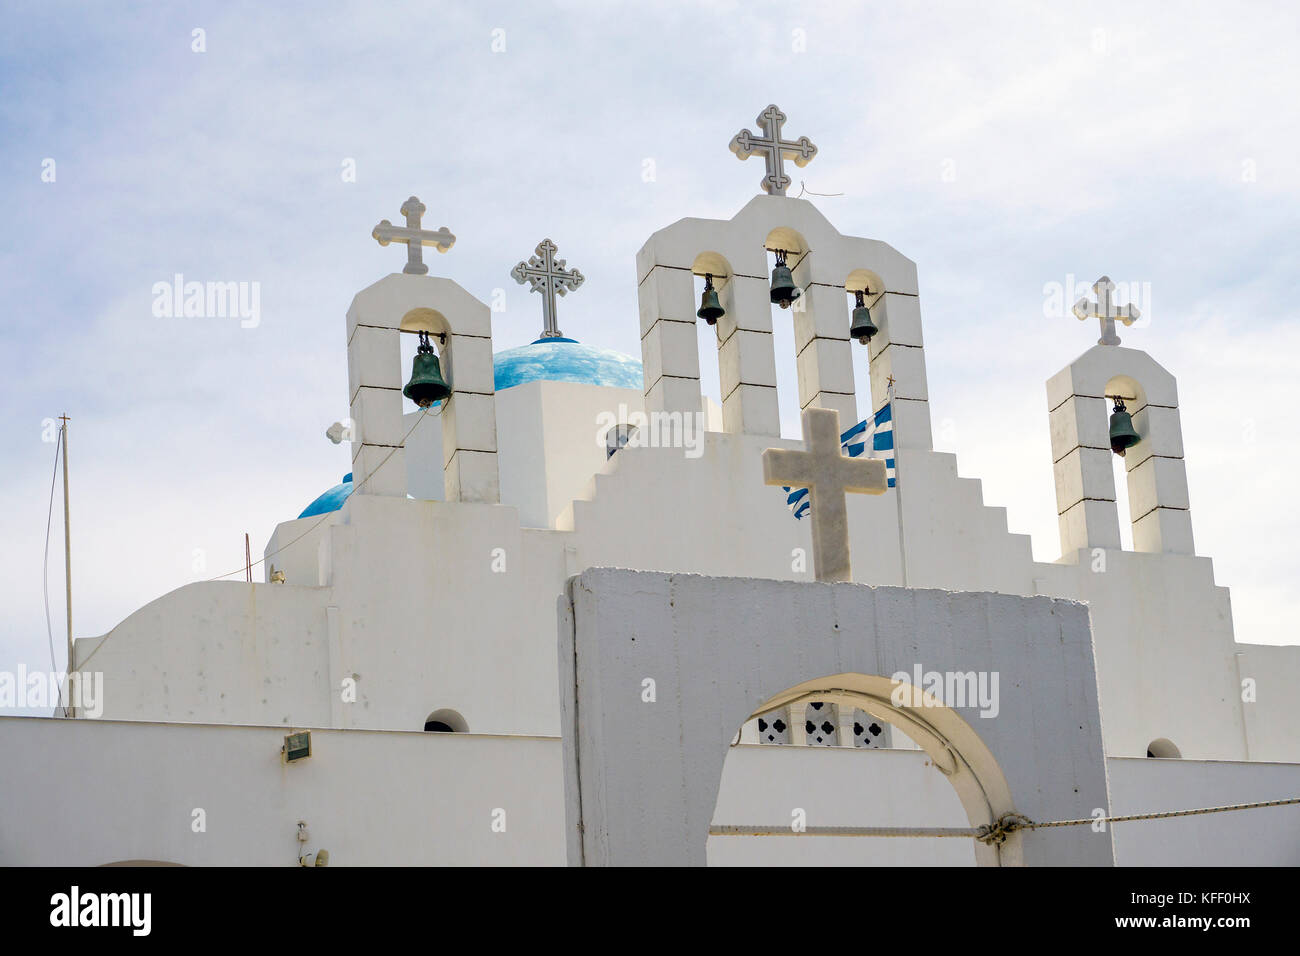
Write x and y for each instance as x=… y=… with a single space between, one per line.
x=401 y=303
x=820 y=259
x=1080 y=401
x=642 y=778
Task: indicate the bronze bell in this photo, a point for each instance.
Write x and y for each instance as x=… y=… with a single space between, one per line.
x=1122 y=434
x=862 y=328
x=710 y=307
x=427 y=384
x=784 y=291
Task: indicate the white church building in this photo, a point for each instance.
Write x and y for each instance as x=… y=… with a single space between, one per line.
x=573 y=612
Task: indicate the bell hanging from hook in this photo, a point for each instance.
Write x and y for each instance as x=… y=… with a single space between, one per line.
x=784 y=291
x=427 y=385
x=710 y=307
x=1122 y=434
x=862 y=328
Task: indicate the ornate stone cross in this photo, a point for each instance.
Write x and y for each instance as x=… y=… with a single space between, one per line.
x=828 y=475
x=547 y=275
x=1106 y=310
x=775 y=150
x=414 y=237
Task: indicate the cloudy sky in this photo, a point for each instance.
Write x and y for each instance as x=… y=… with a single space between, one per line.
x=1006 y=149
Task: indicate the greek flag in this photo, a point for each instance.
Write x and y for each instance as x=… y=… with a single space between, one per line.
x=873 y=437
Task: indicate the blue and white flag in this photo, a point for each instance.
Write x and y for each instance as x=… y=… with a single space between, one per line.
x=873 y=437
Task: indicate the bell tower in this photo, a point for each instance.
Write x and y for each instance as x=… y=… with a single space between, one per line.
x=817 y=270
x=1081 y=401
x=441 y=312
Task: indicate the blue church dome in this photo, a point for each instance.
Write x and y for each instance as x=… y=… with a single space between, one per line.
x=331 y=500
x=565 y=360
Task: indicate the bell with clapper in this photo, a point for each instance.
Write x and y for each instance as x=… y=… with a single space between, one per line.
x=1122 y=434
x=784 y=291
x=427 y=385
x=710 y=307
x=862 y=328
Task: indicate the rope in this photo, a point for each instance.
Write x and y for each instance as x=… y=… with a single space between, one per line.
x=740 y=830
x=991 y=834
x=316 y=524
x=49 y=628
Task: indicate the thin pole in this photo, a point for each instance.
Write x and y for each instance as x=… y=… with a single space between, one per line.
x=248 y=561
x=898 y=483
x=67 y=562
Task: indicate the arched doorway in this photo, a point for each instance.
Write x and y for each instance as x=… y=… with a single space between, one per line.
x=953 y=747
x=642 y=772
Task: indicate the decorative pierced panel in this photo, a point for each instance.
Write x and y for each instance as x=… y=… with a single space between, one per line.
x=821 y=725
x=774 y=727
x=869 y=732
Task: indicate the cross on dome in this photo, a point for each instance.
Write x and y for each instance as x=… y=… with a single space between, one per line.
x=774 y=149
x=548 y=275
x=1106 y=310
x=414 y=237
x=828 y=475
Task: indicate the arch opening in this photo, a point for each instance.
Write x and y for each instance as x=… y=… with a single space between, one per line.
x=1163 y=748
x=425 y=320
x=951 y=744
x=446 y=721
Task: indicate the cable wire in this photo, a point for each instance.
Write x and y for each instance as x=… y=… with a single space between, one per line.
x=49 y=628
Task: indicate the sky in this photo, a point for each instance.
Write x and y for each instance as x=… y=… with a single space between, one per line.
x=1009 y=150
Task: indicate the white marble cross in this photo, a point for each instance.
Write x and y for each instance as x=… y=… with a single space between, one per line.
x=1106 y=310
x=546 y=274
x=775 y=150
x=828 y=474
x=414 y=237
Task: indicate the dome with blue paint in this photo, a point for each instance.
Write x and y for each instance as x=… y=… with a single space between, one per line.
x=331 y=500
x=558 y=359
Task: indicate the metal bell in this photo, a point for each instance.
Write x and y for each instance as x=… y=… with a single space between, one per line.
x=784 y=291
x=427 y=384
x=710 y=307
x=1122 y=434
x=862 y=328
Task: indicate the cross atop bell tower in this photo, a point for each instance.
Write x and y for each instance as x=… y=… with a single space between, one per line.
x=414 y=237
x=1106 y=310
x=774 y=149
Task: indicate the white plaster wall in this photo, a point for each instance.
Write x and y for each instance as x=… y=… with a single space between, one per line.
x=223 y=652
x=835 y=786
x=294 y=548
x=388 y=798
x=1265 y=837
x=1270 y=717
x=127 y=791
x=549 y=449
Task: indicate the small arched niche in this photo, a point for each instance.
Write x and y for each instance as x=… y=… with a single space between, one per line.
x=425 y=320
x=787 y=240
x=1163 y=748
x=446 y=721
x=866 y=281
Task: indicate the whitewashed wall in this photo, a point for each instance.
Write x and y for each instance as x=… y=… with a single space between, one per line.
x=127 y=791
